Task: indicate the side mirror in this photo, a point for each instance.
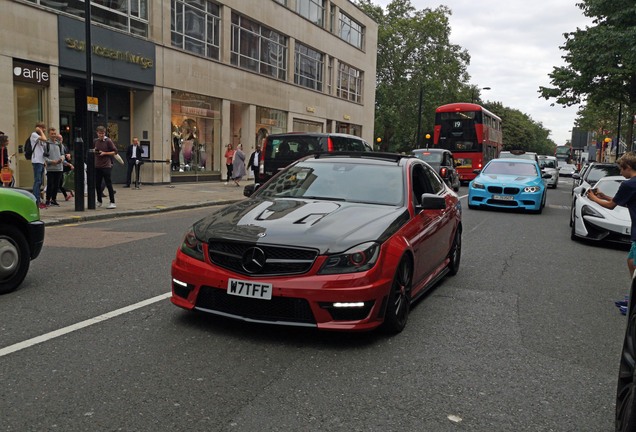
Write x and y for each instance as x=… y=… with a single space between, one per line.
x=249 y=189
x=546 y=175
x=579 y=190
x=431 y=201
x=477 y=171
x=576 y=176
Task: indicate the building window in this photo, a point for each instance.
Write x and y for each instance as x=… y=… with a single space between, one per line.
x=350 y=31
x=330 y=76
x=308 y=67
x=313 y=10
x=349 y=83
x=130 y=16
x=257 y=48
x=195 y=27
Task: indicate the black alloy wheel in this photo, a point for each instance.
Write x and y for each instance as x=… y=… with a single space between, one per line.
x=626 y=387
x=14 y=258
x=455 y=253
x=399 y=304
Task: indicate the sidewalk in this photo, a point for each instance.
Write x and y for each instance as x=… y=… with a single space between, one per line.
x=148 y=199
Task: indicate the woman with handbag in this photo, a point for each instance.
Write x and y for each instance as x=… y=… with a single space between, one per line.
x=6 y=173
x=67 y=181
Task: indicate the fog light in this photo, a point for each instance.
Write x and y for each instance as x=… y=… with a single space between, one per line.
x=348 y=305
x=178 y=282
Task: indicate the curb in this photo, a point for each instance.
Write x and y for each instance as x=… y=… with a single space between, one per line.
x=126 y=213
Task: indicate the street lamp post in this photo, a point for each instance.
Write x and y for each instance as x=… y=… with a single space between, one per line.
x=472 y=99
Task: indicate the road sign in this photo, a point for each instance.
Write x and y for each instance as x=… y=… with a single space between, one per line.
x=92 y=104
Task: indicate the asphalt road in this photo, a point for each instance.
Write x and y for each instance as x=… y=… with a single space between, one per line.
x=524 y=338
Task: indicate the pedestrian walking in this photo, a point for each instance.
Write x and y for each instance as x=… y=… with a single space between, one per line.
x=254 y=161
x=134 y=159
x=38 y=142
x=104 y=150
x=229 y=155
x=54 y=160
x=624 y=197
x=238 y=165
x=67 y=168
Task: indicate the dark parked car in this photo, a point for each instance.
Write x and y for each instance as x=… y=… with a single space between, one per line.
x=442 y=161
x=279 y=150
x=625 y=419
x=334 y=241
x=21 y=236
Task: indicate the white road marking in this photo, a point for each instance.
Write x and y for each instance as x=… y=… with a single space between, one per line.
x=80 y=325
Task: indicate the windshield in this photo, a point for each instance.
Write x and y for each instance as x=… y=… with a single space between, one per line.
x=547 y=163
x=340 y=181
x=595 y=173
x=430 y=157
x=510 y=168
x=609 y=187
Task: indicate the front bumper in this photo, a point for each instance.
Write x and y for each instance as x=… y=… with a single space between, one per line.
x=36 y=237
x=307 y=300
x=520 y=200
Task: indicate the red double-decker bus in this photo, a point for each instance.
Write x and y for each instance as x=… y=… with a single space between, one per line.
x=471 y=133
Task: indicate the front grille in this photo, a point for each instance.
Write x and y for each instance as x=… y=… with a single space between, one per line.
x=596 y=232
x=285 y=309
x=503 y=190
x=279 y=260
x=503 y=203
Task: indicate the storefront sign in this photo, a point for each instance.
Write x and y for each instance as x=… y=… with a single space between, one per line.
x=196 y=111
x=115 y=55
x=31 y=73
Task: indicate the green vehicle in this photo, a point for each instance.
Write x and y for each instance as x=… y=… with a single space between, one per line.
x=21 y=236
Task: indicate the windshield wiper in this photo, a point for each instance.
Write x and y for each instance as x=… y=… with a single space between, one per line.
x=322 y=198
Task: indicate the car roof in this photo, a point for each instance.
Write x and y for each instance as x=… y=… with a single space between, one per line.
x=313 y=134
x=612 y=178
x=361 y=157
x=431 y=150
x=518 y=160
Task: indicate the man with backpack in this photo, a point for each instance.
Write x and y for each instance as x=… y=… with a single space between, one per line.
x=38 y=146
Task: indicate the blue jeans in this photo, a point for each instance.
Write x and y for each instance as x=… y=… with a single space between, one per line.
x=38 y=173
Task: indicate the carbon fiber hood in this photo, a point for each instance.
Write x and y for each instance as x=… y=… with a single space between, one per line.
x=324 y=225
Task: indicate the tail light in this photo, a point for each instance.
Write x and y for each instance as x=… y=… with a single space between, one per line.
x=443 y=172
x=479 y=165
x=329 y=145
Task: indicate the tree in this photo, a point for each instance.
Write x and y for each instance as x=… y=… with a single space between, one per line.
x=600 y=60
x=521 y=132
x=414 y=56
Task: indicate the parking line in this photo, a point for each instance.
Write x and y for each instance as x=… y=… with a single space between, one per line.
x=80 y=325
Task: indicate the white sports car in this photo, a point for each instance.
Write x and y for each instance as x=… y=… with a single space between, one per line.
x=592 y=222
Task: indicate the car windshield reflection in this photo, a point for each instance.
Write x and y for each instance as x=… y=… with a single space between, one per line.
x=510 y=168
x=320 y=180
x=609 y=187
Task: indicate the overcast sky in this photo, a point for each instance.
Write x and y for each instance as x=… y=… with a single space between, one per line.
x=514 y=45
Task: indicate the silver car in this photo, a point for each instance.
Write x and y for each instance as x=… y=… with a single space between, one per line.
x=549 y=165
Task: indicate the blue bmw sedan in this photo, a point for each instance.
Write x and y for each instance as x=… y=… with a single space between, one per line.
x=508 y=183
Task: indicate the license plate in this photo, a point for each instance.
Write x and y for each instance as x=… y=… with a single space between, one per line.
x=241 y=288
x=503 y=197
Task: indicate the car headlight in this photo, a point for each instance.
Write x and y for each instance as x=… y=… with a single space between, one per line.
x=478 y=185
x=357 y=259
x=191 y=245
x=531 y=189
x=590 y=211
